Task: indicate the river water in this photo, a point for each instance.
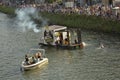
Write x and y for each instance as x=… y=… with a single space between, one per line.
x=89 y=63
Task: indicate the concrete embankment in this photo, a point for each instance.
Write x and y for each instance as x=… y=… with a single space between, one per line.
x=94 y=23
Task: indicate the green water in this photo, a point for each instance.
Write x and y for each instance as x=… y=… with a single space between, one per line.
x=90 y=63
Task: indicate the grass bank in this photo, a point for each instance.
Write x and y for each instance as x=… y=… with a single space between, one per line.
x=84 y=22
x=74 y=20
x=7 y=10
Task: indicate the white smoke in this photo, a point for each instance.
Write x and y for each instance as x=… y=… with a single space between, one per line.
x=24 y=18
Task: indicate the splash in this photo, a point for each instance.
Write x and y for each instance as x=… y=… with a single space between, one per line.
x=84 y=44
x=25 y=18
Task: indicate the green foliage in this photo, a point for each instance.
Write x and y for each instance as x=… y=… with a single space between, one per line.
x=7 y=10
x=95 y=23
x=50 y=1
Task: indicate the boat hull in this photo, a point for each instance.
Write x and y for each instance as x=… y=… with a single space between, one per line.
x=35 y=65
x=73 y=46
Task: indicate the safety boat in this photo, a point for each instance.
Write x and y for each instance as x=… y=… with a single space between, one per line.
x=61 y=37
x=39 y=60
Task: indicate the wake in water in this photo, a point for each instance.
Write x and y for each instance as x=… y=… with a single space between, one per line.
x=85 y=44
x=24 y=19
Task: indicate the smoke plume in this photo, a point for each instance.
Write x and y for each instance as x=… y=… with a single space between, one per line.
x=25 y=18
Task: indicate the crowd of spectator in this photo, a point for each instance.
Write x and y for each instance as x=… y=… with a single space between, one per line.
x=97 y=10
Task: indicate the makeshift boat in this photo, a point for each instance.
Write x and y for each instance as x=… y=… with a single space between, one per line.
x=61 y=37
x=39 y=62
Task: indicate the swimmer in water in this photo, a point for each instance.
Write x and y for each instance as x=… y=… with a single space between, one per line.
x=101 y=45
